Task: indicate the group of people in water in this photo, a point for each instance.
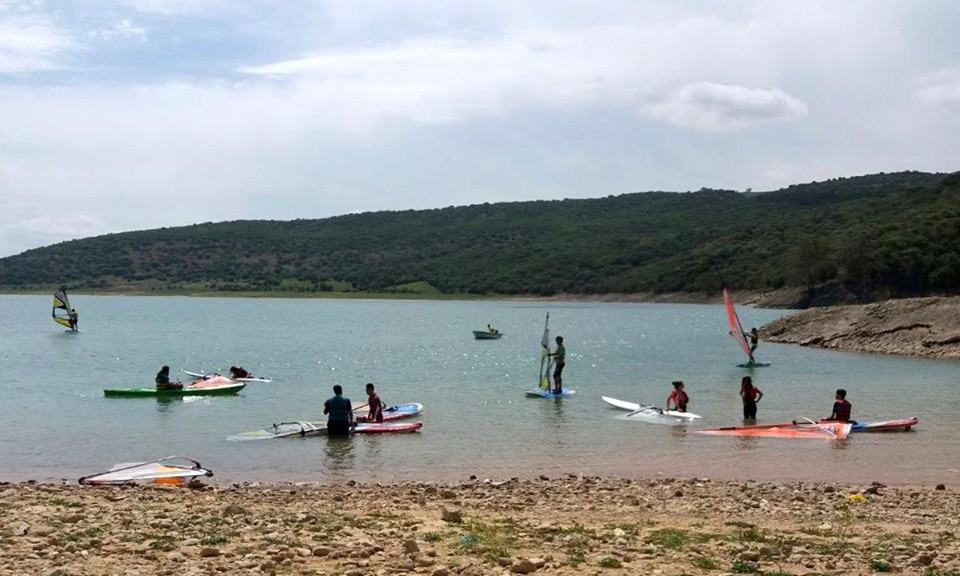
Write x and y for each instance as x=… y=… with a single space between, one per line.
x=750 y=395
x=163 y=381
x=340 y=411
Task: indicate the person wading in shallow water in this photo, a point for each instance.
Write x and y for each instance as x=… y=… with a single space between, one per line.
x=678 y=397
x=339 y=413
x=750 y=395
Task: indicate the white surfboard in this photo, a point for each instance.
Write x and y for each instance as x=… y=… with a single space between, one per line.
x=648 y=409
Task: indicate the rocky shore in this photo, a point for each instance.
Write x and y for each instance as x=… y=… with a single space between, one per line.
x=565 y=526
x=927 y=327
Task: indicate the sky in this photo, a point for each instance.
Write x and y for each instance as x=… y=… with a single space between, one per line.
x=123 y=115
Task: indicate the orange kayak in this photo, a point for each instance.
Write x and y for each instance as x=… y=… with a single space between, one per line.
x=826 y=430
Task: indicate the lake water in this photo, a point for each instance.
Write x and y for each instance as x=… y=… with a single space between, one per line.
x=57 y=423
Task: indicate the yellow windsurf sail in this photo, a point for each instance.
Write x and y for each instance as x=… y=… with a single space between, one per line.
x=63 y=313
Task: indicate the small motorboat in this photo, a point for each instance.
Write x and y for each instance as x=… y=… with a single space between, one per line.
x=487 y=334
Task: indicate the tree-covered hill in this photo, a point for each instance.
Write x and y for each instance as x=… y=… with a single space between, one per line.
x=891 y=234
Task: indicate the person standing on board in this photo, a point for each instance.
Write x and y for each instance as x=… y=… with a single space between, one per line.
x=339 y=413
x=841 y=408
x=74 y=319
x=750 y=395
x=560 y=360
x=678 y=397
x=163 y=380
x=375 y=404
x=754 y=337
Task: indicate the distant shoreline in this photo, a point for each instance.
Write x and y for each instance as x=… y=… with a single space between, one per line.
x=923 y=327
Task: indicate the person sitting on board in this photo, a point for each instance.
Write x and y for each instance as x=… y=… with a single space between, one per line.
x=678 y=397
x=754 y=337
x=560 y=360
x=239 y=372
x=841 y=408
x=375 y=405
x=491 y=329
x=339 y=413
x=750 y=395
x=163 y=380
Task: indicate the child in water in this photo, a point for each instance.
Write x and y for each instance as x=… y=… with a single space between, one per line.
x=678 y=397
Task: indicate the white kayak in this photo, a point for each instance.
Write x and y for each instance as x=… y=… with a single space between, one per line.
x=652 y=414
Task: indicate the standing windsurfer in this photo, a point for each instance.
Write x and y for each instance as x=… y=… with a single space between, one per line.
x=750 y=395
x=163 y=380
x=678 y=397
x=74 y=319
x=560 y=360
x=339 y=413
x=754 y=340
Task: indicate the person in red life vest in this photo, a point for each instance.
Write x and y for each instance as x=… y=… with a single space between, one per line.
x=375 y=404
x=750 y=395
x=678 y=397
x=841 y=408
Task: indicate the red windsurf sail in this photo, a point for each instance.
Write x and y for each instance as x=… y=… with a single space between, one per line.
x=736 y=330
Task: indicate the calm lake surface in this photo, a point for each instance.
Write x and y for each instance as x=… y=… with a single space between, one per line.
x=57 y=423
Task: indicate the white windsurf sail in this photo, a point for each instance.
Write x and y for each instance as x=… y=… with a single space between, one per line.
x=63 y=313
x=169 y=470
x=546 y=360
x=736 y=330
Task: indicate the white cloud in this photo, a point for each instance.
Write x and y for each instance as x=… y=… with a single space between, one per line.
x=940 y=88
x=708 y=106
x=30 y=41
x=124 y=29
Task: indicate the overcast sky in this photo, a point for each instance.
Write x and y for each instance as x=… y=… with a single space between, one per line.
x=132 y=114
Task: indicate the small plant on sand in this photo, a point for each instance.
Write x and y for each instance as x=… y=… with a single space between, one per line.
x=610 y=562
x=705 y=563
x=751 y=534
x=214 y=540
x=744 y=567
x=432 y=537
x=163 y=543
x=670 y=538
x=91 y=532
x=880 y=566
x=490 y=539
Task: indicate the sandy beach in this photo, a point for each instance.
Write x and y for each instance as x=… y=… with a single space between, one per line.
x=557 y=526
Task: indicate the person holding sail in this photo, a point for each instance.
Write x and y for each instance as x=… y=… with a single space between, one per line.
x=754 y=337
x=74 y=319
x=560 y=360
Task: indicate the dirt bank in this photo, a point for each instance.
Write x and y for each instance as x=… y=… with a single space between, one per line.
x=928 y=327
x=561 y=526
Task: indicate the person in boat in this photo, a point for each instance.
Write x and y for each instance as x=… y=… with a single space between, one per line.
x=559 y=361
x=73 y=318
x=750 y=395
x=374 y=405
x=841 y=407
x=239 y=372
x=491 y=329
x=678 y=398
x=163 y=380
x=339 y=413
x=754 y=337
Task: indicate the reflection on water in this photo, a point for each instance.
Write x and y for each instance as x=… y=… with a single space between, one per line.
x=338 y=453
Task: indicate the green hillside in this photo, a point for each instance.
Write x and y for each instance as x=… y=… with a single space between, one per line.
x=887 y=234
